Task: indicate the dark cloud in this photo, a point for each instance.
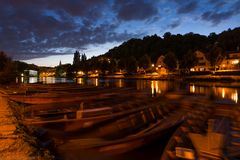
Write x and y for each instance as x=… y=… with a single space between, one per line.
x=174 y=24
x=134 y=10
x=188 y=7
x=217 y=3
x=217 y=16
x=31 y=29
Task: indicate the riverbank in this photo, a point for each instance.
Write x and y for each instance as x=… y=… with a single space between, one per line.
x=16 y=141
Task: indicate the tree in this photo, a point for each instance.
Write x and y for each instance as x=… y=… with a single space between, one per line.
x=4 y=61
x=214 y=55
x=170 y=60
x=145 y=61
x=76 y=60
x=189 y=60
x=131 y=65
x=7 y=69
x=105 y=65
x=121 y=64
x=59 y=71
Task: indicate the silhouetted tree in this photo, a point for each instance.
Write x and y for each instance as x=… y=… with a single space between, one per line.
x=145 y=61
x=170 y=60
x=215 y=54
x=189 y=60
x=7 y=69
x=76 y=61
x=131 y=65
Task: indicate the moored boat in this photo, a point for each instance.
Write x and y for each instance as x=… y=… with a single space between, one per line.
x=208 y=133
x=72 y=120
x=137 y=130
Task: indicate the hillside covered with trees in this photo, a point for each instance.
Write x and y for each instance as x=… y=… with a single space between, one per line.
x=177 y=49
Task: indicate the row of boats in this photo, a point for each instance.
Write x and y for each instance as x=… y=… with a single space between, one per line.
x=114 y=121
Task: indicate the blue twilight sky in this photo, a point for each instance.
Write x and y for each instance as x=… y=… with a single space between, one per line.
x=44 y=32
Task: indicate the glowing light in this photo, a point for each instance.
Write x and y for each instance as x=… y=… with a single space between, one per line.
x=234 y=96
x=153 y=65
x=236 y=61
x=152 y=87
x=192 y=88
x=33 y=80
x=80 y=80
x=120 y=83
x=96 y=82
x=192 y=69
x=223 y=93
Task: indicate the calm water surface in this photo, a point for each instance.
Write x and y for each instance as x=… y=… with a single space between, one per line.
x=227 y=91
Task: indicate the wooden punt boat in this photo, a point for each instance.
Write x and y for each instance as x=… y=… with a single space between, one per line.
x=194 y=139
x=132 y=140
x=68 y=120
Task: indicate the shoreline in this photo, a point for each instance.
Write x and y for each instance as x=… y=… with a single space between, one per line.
x=16 y=140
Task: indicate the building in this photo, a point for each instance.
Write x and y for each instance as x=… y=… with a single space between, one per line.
x=230 y=62
x=49 y=72
x=30 y=73
x=161 y=67
x=203 y=64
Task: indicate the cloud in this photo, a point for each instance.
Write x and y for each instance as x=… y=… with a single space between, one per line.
x=217 y=3
x=187 y=8
x=174 y=24
x=217 y=16
x=32 y=29
x=128 y=10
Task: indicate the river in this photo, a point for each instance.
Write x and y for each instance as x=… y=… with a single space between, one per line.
x=224 y=91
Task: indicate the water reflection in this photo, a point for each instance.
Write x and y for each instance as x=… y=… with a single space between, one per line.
x=220 y=92
x=227 y=93
x=120 y=83
x=154 y=87
x=80 y=81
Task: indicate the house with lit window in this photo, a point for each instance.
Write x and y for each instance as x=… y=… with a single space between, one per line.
x=231 y=62
x=203 y=64
x=161 y=66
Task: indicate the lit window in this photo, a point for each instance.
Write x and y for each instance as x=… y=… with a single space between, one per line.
x=236 y=61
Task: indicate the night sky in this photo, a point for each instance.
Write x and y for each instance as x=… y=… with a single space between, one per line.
x=47 y=31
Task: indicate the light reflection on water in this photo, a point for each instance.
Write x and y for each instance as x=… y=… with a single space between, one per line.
x=229 y=92
x=155 y=87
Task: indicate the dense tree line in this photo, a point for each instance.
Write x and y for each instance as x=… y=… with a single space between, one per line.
x=177 y=48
